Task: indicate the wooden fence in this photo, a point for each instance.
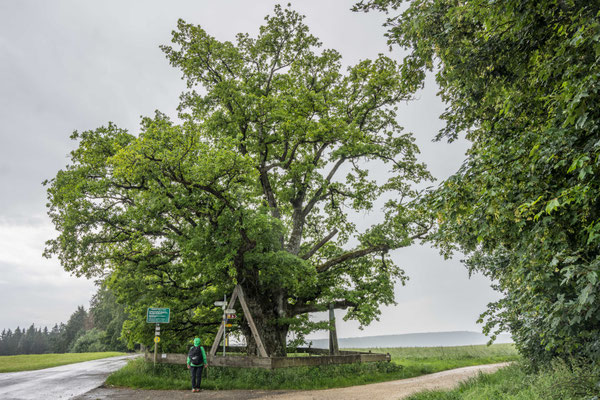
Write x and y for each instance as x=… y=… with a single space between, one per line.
x=315 y=357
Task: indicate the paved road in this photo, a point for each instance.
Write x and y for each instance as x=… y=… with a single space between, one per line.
x=62 y=382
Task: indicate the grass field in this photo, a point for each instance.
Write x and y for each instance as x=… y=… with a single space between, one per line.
x=426 y=360
x=28 y=362
x=559 y=382
x=406 y=363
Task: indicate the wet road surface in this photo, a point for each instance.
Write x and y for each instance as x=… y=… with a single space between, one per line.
x=64 y=382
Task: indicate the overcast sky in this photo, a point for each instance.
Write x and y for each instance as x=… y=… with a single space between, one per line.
x=75 y=65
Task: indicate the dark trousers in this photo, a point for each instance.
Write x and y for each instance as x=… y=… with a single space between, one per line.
x=196 y=376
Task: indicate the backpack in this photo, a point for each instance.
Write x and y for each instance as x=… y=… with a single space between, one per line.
x=195 y=355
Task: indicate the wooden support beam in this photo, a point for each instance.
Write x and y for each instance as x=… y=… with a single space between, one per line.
x=261 y=349
x=334 y=349
x=239 y=293
x=276 y=362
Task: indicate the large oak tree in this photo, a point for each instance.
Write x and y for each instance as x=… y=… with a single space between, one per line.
x=277 y=146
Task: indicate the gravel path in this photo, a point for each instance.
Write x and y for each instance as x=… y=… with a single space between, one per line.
x=392 y=390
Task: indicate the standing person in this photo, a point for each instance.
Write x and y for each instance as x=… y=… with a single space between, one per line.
x=196 y=361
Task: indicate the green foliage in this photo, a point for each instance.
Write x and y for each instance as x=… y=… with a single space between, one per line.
x=40 y=361
x=253 y=187
x=72 y=330
x=108 y=316
x=516 y=382
x=91 y=341
x=521 y=82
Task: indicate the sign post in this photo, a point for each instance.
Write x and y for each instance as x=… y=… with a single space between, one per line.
x=227 y=314
x=157 y=316
x=224 y=325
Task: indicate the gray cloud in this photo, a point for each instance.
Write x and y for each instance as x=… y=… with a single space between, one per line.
x=70 y=65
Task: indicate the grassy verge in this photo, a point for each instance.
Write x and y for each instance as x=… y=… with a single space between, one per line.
x=28 y=362
x=427 y=360
x=558 y=382
x=406 y=363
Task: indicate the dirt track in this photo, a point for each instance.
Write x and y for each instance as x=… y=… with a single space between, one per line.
x=385 y=390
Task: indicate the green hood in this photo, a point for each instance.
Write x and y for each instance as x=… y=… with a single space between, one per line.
x=197 y=342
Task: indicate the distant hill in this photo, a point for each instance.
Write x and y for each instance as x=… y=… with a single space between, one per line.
x=430 y=339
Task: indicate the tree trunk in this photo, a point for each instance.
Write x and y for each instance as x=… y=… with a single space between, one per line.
x=265 y=313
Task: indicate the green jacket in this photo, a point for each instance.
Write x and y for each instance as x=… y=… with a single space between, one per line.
x=189 y=362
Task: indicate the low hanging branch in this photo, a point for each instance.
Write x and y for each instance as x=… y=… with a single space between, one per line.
x=320 y=244
x=351 y=256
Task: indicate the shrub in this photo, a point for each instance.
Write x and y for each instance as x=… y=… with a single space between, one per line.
x=91 y=341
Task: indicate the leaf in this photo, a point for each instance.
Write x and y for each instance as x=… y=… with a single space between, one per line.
x=552 y=205
x=534 y=150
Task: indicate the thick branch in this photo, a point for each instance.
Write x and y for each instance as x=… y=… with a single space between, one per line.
x=317 y=246
x=301 y=308
x=268 y=192
x=317 y=196
x=352 y=255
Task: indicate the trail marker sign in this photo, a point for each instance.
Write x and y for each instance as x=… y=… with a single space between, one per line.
x=158 y=315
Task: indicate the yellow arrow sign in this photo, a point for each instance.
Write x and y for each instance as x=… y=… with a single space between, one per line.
x=156 y=339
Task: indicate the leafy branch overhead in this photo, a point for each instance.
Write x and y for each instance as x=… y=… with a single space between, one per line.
x=521 y=82
x=276 y=146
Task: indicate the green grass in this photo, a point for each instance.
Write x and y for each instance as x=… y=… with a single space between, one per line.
x=427 y=360
x=406 y=363
x=140 y=374
x=558 y=382
x=28 y=362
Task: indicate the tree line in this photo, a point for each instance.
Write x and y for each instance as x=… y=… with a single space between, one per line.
x=98 y=329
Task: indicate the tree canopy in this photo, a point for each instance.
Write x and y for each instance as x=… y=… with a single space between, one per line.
x=275 y=147
x=521 y=82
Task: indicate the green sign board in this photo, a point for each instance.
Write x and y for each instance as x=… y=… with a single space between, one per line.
x=158 y=315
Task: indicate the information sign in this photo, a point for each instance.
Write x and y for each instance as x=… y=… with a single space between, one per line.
x=158 y=315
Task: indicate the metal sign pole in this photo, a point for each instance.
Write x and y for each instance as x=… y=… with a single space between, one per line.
x=224 y=325
x=156 y=342
x=224 y=306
